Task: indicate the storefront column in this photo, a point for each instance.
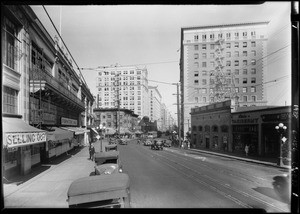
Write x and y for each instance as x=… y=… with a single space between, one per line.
x=25 y=162
x=260 y=144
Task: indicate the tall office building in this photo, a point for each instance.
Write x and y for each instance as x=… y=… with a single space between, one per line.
x=222 y=62
x=124 y=87
x=155 y=106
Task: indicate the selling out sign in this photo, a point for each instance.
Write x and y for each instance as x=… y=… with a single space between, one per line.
x=24 y=139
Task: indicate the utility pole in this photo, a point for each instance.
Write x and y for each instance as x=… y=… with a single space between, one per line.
x=178 y=115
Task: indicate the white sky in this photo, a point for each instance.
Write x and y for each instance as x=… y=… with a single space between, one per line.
x=150 y=35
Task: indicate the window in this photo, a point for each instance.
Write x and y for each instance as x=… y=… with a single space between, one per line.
x=244 y=34
x=220 y=35
x=196 y=99
x=200 y=128
x=196 y=37
x=245 y=71
x=236 y=53
x=236 y=80
x=228 y=54
x=228 y=63
x=196 y=82
x=196 y=73
x=244 y=44
x=211 y=36
x=9 y=44
x=253 y=80
x=204 y=81
x=253 y=62
x=253 y=98
x=244 y=89
x=245 y=53
x=253 y=44
x=253 y=53
x=237 y=90
x=204 y=73
x=196 y=65
x=244 y=98
x=196 y=47
x=10 y=100
x=211 y=55
x=228 y=45
x=253 y=89
x=212 y=64
x=236 y=63
x=203 y=46
x=253 y=33
x=196 y=56
x=244 y=80
x=245 y=62
x=204 y=55
x=204 y=99
x=203 y=64
x=228 y=35
x=204 y=37
x=236 y=34
x=212 y=46
x=204 y=90
x=253 y=71
x=236 y=44
x=236 y=71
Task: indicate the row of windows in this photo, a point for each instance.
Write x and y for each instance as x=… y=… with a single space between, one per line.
x=214 y=128
x=228 y=54
x=107 y=79
x=124 y=88
x=228 y=63
x=227 y=45
x=124 y=83
x=237 y=89
x=243 y=98
x=227 y=81
x=118 y=72
x=227 y=72
x=228 y=35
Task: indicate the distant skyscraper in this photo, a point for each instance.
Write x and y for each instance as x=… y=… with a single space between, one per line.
x=155 y=105
x=126 y=87
x=222 y=62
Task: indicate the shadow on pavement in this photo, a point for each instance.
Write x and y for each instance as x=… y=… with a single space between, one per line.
x=61 y=158
x=22 y=179
x=270 y=192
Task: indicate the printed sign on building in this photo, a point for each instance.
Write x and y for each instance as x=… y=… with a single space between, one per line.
x=24 y=139
x=68 y=121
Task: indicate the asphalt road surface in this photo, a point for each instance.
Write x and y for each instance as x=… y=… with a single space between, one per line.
x=175 y=178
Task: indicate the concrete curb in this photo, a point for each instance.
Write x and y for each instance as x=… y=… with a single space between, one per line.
x=236 y=157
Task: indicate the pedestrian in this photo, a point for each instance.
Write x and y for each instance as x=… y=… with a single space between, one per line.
x=92 y=152
x=246 y=149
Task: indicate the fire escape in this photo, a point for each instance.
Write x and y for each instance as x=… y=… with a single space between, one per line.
x=222 y=85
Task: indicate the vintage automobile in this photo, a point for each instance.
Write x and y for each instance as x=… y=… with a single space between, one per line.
x=167 y=143
x=108 y=168
x=157 y=145
x=122 y=141
x=111 y=147
x=147 y=142
x=110 y=191
x=106 y=157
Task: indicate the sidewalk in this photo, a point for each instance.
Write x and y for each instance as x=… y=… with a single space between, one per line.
x=270 y=161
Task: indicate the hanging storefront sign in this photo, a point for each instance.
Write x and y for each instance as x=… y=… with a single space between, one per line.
x=68 y=121
x=24 y=139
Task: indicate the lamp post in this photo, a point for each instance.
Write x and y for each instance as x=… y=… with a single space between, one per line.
x=101 y=127
x=281 y=128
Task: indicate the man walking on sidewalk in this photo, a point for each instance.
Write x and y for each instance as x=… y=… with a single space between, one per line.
x=92 y=151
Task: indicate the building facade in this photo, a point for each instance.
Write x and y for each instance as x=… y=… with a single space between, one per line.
x=46 y=103
x=155 y=106
x=222 y=62
x=219 y=126
x=123 y=87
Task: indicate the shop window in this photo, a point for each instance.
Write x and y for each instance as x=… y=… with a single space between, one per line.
x=215 y=128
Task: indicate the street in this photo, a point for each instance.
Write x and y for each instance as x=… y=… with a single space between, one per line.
x=171 y=178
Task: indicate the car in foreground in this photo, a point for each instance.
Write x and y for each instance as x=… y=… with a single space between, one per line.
x=110 y=191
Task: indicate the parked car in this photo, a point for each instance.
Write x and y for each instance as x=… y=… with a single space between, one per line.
x=107 y=157
x=157 y=145
x=111 y=147
x=122 y=141
x=167 y=143
x=110 y=191
x=108 y=168
x=147 y=142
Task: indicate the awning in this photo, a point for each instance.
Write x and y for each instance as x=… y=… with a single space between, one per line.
x=18 y=133
x=76 y=130
x=59 y=134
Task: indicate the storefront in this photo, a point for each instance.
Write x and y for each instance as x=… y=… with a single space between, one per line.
x=79 y=135
x=23 y=146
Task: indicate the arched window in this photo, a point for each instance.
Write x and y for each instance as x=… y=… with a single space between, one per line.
x=215 y=128
x=200 y=128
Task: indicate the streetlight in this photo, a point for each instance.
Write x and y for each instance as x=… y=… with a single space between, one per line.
x=281 y=128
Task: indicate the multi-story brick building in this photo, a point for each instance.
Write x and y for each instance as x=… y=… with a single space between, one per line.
x=222 y=62
x=155 y=106
x=46 y=102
